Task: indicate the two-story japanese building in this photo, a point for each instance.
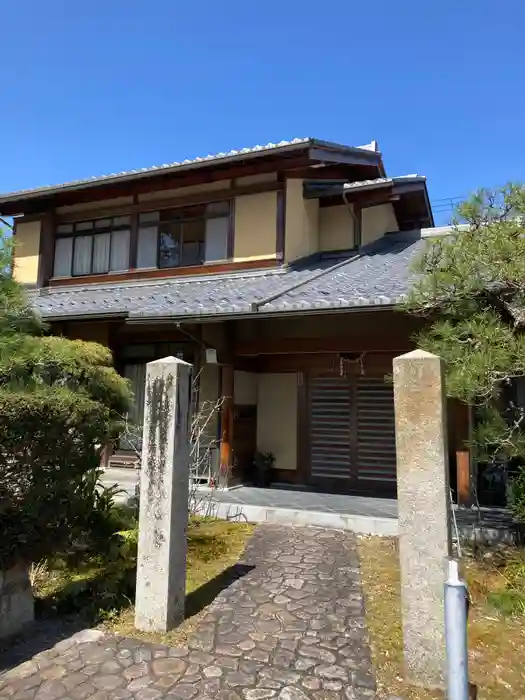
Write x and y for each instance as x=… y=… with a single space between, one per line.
x=287 y=260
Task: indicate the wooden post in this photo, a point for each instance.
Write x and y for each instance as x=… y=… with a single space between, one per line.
x=461 y=434
x=46 y=251
x=463 y=477
x=226 y=451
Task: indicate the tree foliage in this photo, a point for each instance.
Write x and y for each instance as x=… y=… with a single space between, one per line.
x=60 y=401
x=471 y=288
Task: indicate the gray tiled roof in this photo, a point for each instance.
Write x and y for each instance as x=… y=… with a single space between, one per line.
x=166 y=167
x=182 y=297
x=380 y=181
x=379 y=276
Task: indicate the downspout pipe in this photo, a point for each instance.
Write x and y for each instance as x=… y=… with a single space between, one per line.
x=357 y=244
x=189 y=335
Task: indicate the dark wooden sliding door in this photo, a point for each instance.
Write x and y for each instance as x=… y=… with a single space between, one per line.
x=330 y=408
x=351 y=437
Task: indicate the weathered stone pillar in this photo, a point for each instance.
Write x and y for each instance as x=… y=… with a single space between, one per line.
x=424 y=511
x=163 y=521
x=16 y=600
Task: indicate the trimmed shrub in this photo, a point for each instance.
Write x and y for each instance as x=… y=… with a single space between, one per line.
x=60 y=402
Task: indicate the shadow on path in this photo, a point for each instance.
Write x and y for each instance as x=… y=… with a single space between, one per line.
x=51 y=626
x=285 y=623
x=37 y=637
x=206 y=594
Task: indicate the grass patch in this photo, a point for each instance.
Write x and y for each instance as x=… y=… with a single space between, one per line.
x=496 y=641
x=509 y=603
x=100 y=589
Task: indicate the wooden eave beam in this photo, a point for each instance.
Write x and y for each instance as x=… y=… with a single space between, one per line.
x=96 y=192
x=215 y=195
x=365 y=198
x=394 y=194
x=350 y=157
x=294 y=160
x=301 y=346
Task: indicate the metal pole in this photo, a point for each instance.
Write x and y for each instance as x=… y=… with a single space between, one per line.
x=456 y=634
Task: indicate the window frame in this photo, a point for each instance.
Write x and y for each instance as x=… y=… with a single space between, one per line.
x=76 y=233
x=134 y=225
x=184 y=219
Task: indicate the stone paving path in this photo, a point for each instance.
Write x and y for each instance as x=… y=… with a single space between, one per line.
x=292 y=628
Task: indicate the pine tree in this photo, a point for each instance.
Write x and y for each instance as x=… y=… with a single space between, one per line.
x=471 y=289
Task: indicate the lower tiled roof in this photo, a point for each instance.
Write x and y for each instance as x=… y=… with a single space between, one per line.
x=379 y=275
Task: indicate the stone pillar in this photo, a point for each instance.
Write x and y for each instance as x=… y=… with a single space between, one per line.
x=16 y=600
x=163 y=521
x=424 y=511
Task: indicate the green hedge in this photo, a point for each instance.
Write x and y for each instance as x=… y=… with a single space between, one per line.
x=49 y=452
x=60 y=402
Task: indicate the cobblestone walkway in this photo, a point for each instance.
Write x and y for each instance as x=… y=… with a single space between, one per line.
x=292 y=628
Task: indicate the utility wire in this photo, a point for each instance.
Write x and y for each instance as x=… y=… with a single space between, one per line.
x=444 y=207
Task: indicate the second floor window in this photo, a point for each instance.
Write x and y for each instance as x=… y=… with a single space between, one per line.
x=92 y=247
x=169 y=238
x=184 y=236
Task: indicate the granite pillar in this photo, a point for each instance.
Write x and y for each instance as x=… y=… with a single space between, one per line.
x=16 y=600
x=163 y=520
x=424 y=511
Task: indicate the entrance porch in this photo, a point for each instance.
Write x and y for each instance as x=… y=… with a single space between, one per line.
x=361 y=514
x=288 y=506
x=296 y=506
x=311 y=390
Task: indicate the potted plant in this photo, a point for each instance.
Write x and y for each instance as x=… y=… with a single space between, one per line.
x=262 y=467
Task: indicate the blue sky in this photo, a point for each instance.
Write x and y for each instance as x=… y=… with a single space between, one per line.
x=102 y=86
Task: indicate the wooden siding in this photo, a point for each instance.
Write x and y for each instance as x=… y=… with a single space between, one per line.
x=208 y=269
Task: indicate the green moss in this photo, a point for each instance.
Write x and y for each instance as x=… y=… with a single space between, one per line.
x=102 y=586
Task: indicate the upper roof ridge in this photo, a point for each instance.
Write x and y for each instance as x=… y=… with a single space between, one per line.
x=372 y=146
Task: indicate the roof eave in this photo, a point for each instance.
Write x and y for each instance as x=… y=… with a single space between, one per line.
x=374 y=154
x=86 y=316
x=317 y=150
x=397 y=186
x=210 y=318
x=429 y=207
x=146 y=174
x=416 y=186
x=400 y=184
